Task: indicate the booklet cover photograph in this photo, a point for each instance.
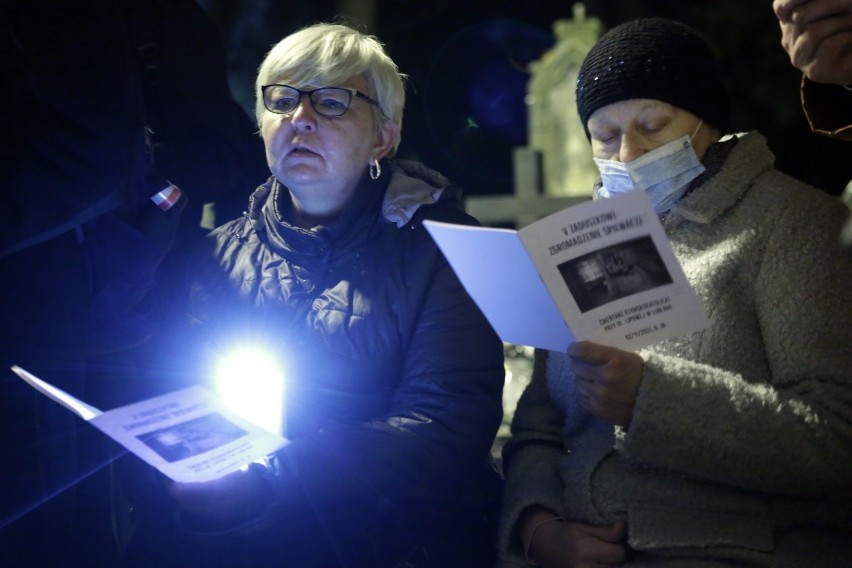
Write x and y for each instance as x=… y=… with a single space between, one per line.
x=193 y=437
x=614 y=272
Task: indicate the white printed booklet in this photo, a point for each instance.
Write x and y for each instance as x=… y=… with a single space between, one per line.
x=188 y=434
x=600 y=271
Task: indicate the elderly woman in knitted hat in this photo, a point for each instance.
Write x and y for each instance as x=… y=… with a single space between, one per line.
x=729 y=446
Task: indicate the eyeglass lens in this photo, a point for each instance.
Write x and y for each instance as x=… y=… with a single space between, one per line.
x=328 y=101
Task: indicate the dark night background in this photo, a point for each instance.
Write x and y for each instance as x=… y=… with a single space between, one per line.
x=466 y=65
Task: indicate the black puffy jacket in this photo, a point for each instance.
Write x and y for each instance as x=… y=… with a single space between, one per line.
x=394 y=377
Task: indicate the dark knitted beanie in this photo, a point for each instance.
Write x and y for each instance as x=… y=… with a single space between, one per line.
x=653 y=58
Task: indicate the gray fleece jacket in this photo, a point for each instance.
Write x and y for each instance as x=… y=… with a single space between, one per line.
x=740 y=447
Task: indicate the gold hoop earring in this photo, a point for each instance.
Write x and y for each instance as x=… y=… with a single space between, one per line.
x=375 y=169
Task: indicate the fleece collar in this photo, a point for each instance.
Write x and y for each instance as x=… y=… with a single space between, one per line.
x=733 y=164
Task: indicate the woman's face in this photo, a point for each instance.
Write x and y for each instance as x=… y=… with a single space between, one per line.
x=321 y=159
x=625 y=130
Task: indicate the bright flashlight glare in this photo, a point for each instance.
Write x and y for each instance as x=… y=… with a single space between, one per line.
x=251 y=383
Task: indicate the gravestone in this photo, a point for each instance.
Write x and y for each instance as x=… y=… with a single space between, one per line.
x=554 y=126
x=555 y=170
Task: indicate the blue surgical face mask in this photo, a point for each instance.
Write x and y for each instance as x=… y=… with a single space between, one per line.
x=664 y=173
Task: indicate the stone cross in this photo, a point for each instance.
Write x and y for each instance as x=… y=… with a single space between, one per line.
x=555 y=170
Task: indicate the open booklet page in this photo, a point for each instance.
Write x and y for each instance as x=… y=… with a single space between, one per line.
x=601 y=271
x=499 y=275
x=188 y=435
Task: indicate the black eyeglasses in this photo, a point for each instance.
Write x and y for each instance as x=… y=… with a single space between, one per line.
x=327 y=101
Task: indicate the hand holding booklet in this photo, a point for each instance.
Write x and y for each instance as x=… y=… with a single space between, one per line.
x=188 y=435
x=600 y=271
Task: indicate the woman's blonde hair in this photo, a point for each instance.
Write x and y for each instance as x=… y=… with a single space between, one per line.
x=326 y=55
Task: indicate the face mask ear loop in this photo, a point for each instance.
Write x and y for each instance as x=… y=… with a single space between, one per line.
x=700 y=122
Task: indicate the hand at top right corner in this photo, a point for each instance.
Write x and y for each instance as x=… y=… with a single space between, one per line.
x=817 y=35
